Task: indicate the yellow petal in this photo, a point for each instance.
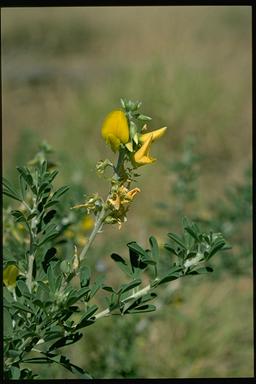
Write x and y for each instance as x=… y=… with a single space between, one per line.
x=142 y=157
x=156 y=134
x=115 y=129
x=10 y=274
x=130 y=195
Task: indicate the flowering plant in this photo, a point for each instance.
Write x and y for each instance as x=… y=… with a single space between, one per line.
x=49 y=294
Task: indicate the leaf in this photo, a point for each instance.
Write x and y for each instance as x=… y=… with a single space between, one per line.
x=22 y=286
x=7 y=323
x=142 y=308
x=108 y=288
x=97 y=285
x=173 y=274
x=84 y=275
x=53 y=175
x=171 y=249
x=67 y=340
x=121 y=263
x=177 y=239
x=144 y=118
x=51 y=278
x=200 y=271
x=137 y=256
x=9 y=190
x=12 y=195
x=49 y=216
x=50 y=203
x=57 y=194
x=84 y=321
x=21 y=307
x=76 y=295
x=49 y=256
x=154 y=248
x=136 y=248
x=49 y=233
x=192 y=233
x=25 y=173
x=19 y=216
x=216 y=247
x=15 y=372
x=129 y=286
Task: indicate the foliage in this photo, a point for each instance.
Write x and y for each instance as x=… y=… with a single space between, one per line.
x=54 y=296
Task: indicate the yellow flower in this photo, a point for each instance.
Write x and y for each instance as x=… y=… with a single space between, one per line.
x=115 y=129
x=87 y=223
x=10 y=274
x=156 y=134
x=130 y=194
x=142 y=157
x=119 y=203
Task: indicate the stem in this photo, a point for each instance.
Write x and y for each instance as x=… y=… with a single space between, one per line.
x=30 y=271
x=32 y=251
x=96 y=228
x=136 y=295
x=120 y=163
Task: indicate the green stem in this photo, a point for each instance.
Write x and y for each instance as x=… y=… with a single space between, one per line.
x=30 y=271
x=32 y=251
x=96 y=228
x=135 y=295
x=120 y=163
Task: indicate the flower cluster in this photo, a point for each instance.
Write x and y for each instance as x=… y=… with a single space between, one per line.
x=125 y=130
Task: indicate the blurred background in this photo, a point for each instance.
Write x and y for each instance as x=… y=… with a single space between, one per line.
x=63 y=70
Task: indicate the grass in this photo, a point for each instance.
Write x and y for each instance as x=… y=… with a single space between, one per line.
x=63 y=69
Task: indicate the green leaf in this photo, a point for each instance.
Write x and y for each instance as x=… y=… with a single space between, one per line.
x=25 y=173
x=19 y=216
x=173 y=274
x=49 y=216
x=136 y=248
x=108 y=288
x=22 y=286
x=154 y=248
x=21 y=307
x=51 y=278
x=142 y=309
x=49 y=233
x=49 y=256
x=171 y=249
x=67 y=340
x=86 y=318
x=97 y=285
x=144 y=118
x=15 y=372
x=129 y=286
x=84 y=275
x=138 y=258
x=200 y=271
x=121 y=263
x=57 y=194
x=53 y=175
x=50 y=203
x=76 y=295
x=12 y=195
x=7 y=295
x=7 y=323
x=9 y=190
x=218 y=245
x=122 y=103
x=177 y=240
x=192 y=233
